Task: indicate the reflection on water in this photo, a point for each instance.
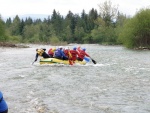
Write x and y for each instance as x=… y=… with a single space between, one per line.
x=118 y=83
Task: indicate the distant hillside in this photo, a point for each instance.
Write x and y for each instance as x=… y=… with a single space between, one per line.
x=33 y=16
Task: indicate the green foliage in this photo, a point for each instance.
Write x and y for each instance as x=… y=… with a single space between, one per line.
x=56 y=21
x=108 y=12
x=121 y=19
x=15 y=39
x=34 y=39
x=8 y=22
x=105 y=31
x=104 y=35
x=87 y=39
x=68 y=34
x=136 y=31
x=15 y=27
x=28 y=21
x=54 y=40
x=71 y=29
x=103 y=28
x=79 y=33
x=3 y=36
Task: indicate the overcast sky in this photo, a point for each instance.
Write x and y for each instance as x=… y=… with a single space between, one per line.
x=9 y=8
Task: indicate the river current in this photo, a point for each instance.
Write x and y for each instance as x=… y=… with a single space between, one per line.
x=118 y=83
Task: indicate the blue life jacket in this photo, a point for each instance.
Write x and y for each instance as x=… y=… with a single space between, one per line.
x=58 y=53
x=3 y=104
x=63 y=54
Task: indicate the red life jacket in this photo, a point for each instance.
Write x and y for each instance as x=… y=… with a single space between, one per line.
x=66 y=52
x=82 y=53
x=50 y=52
x=74 y=54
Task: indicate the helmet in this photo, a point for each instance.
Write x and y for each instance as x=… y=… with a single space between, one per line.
x=66 y=48
x=74 y=48
x=83 y=49
x=60 y=47
x=54 y=49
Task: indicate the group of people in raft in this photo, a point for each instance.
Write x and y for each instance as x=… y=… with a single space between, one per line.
x=63 y=53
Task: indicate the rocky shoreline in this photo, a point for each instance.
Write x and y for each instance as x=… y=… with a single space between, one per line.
x=7 y=44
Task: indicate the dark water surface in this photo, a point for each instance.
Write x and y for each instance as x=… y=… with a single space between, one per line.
x=118 y=83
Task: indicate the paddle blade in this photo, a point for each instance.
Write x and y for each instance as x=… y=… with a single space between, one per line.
x=70 y=62
x=86 y=59
x=33 y=62
x=70 y=56
x=93 y=61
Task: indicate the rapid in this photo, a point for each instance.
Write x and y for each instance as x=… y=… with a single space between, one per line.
x=118 y=83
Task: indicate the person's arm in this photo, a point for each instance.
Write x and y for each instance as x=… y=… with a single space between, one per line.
x=87 y=54
x=79 y=49
x=77 y=53
x=36 y=57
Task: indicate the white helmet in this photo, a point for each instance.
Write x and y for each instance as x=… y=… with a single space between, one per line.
x=60 y=47
x=66 y=48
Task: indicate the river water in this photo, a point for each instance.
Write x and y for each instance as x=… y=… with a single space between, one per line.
x=118 y=83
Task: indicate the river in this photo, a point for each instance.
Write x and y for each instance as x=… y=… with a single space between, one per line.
x=118 y=83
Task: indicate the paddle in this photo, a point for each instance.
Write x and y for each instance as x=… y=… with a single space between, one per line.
x=69 y=54
x=70 y=62
x=33 y=62
x=93 y=60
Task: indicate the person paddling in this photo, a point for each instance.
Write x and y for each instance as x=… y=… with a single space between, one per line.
x=59 y=54
x=3 y=104
x=82 y=54
x=68 y=54
x=42 y=53
x=74 y=54
x=51 y=52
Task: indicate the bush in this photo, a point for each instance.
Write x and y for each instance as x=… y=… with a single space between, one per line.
x=136 y=31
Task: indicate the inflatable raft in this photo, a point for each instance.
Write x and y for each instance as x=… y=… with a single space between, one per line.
x=59 y=61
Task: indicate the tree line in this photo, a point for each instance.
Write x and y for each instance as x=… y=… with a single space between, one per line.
x=108 y=27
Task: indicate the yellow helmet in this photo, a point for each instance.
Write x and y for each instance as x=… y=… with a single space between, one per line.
x=54 y=49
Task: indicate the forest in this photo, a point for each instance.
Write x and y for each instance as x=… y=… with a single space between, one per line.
x=108 y=27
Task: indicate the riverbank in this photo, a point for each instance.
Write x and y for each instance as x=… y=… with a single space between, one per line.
x=8 y=44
